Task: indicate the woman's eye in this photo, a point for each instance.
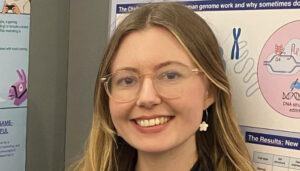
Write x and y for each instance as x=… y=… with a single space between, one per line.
x=126 y=81
x=170 y=76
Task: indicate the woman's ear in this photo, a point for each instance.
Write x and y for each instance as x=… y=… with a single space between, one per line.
x=209 y=98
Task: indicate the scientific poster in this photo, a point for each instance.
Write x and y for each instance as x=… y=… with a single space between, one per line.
x=260 y=43
x=14 y=47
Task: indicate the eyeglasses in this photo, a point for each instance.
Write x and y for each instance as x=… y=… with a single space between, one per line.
x=169 y=81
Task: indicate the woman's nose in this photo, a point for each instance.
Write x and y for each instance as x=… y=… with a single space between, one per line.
x=148 y=96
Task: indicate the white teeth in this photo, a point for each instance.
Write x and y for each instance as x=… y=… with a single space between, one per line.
x=146 y=123
x=152 y=122
x=157 y=121
x=165 y=119
x=161 y=120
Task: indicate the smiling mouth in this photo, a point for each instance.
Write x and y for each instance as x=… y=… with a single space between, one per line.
x=153 y=122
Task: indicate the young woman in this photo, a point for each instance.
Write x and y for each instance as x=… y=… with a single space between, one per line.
x=162 y=100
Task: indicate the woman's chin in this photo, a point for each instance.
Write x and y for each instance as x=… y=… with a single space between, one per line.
x=156 y=147
x=153 y=150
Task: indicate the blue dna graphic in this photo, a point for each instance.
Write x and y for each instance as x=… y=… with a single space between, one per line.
x=282 y=63
x=295 y=85
x=245 y=65
x=235 y=46
x=292 y=94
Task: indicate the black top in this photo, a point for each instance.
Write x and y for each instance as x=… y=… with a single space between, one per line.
x=199 y=167
x=196 y=166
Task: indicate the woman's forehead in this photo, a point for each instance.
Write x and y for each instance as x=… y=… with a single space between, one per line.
x=148 y=48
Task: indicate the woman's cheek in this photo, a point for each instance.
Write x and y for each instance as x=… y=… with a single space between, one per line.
x=120 y=112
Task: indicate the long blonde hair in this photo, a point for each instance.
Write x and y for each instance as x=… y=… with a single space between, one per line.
x=222 y=146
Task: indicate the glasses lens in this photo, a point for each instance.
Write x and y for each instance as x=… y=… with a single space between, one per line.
x=123 y=85
x=171 y=80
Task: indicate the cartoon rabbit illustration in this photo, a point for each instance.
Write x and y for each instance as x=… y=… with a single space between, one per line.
x=18 y=91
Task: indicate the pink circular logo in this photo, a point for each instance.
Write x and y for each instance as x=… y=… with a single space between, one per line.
x=279 y=70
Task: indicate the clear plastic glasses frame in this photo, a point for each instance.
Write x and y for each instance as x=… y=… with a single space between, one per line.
x=169 y=82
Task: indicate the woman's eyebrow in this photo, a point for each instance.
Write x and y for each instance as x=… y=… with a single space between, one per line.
x=168 y=63
x=155 y=67
x=127 y=69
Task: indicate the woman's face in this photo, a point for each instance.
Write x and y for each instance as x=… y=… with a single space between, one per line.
x=151 y=122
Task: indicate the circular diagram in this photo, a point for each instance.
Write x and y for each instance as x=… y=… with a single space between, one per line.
x=279 y=70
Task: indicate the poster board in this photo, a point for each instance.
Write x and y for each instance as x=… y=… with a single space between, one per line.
x=14 y=54
x=260 y=42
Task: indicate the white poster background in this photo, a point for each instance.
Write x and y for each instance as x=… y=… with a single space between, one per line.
x=14 y=56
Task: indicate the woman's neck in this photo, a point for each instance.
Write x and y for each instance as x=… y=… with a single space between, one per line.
x=181 y=158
